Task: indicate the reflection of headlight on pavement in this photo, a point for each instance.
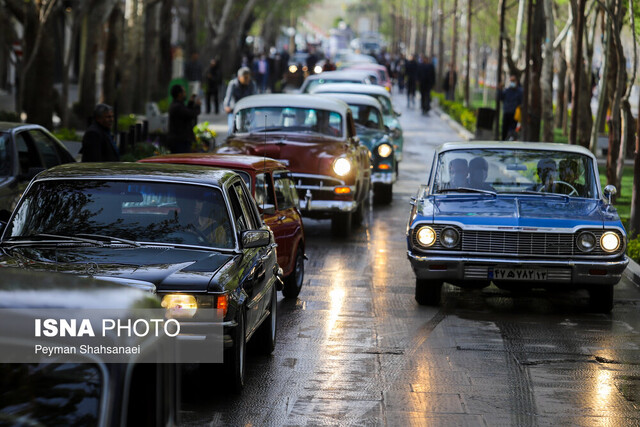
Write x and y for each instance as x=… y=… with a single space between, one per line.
x=384 y=150
x=610 y=241
x=317 y=69
x=426 y=236
x=342 y=167
x=179 y=305
x=293 y=69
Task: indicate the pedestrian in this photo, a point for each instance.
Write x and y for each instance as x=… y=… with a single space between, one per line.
x=449 y=83
x=237 y=89
x=182 y=119
x=98 y=143
x=511 y=98
x=328 y=65
x=427 y=73
x=193 y=74
x=411 y=71
x=400 y=68
x=263 y=73
x=213 y=86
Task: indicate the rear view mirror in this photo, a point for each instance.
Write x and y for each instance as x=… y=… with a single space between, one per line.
x=255 y=239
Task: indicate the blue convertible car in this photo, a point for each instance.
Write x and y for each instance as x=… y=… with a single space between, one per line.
x=519 y=215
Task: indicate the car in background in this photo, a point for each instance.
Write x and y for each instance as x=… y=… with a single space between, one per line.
x=25 y=150
x=272 y=187
x=91 y=393
x=296 y=70
x=373 y=134
x=354 y=76
x=315 y=138
x=192 y=233
x=518 y=215
x=381 y=71
x=389 y=113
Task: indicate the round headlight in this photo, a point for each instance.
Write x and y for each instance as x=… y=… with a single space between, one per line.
x=342 y=166
x=586 y=241
x=449 y=237
x=317 y=69
x=610 y=241
x=426 y=236
x=385 y=150
x=293 y=69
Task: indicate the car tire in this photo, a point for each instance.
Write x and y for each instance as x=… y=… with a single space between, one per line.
x=268 y=331
x=601 y=298
x=428 y=292
x=382 y=194
x=341 y=224
x=236 y=356
x=293 y=282
x=358 y=215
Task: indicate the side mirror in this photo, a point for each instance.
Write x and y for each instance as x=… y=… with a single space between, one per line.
x=609 y=192
x=356 y=140
x=397 y=113
x=255 y=239
x=387 y=129
x=267 y=209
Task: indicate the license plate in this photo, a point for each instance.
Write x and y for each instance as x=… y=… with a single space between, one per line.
x=523 y=274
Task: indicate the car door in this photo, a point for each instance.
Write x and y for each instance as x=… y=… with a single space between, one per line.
x=51 y=151
x=265 y=199
x=290 y=222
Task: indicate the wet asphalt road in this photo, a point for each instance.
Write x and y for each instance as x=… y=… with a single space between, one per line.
x=356 y=349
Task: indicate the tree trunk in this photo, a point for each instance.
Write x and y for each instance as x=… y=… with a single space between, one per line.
x=434 y=24
x=112 y=55
x=561 y=106
x=577 y=69
x=425 y=25
x=517 y=44
x=467 y=101
x=626 y=136
x=165 y=55
x=440 y=48
x=535 y=94
x=634 y=219
x=603 y=93
x=546 y=80
x=454 y=50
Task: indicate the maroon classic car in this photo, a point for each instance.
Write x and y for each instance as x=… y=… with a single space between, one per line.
x=316 y=138
x=273 y=189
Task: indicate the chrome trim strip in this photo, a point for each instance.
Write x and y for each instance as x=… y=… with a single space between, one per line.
x=328 y=206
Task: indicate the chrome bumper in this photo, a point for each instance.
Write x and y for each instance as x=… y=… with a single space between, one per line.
x=574 y=272
x=383 y=177
x=330 y=206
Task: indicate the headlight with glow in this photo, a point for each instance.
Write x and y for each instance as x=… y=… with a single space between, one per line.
x=449 y=237
x=317 y=69
x=342 y=166
x=586 y=241
x=293 y=69
x=179 y=305
x=610 y=241
x=426 y=236
x=385 y=150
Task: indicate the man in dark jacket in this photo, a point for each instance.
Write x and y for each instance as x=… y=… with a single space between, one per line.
x=238 y=88
x=511 y=98
x=427 y=74
x=411 y=71
x=182 y=119
x=98 y=144
x=213 y=84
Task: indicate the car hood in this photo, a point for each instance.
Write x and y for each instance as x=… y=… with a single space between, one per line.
x=301 y=153
x=531 y=211
x=168 y=269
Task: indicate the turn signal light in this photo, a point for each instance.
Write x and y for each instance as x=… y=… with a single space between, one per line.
x=342 y=190
x=222 y=303
x=384 y=167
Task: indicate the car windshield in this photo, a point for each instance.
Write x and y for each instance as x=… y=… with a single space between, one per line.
x=5 y=154
x=516 y=171
x=142 y=211
x=387 y=109
x=366 y=115
x=289 y=119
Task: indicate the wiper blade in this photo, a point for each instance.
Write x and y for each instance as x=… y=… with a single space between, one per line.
x=542 y=193
x=27 y=239
x=111 y=238
x=267 y=129
x=467 y=190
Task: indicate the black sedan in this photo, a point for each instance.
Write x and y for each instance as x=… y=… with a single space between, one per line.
x=192 y=233
x=25 y=150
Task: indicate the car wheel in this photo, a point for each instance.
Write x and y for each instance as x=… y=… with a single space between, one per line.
x=341 y=224
x=235 y=362
x=601 y=298
x=428 y=292
x=293 y=282
x=382 y=194
x=266 y=335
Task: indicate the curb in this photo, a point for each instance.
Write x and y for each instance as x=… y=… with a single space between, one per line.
x=633 y=272
x=460 y=130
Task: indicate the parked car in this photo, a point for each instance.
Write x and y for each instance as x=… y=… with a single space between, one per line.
x=194 y=233
x=519 y=215
x=272 y=187
x=92 y=393
x=381 y=71
x=346 y=76
x=370 y=128
x=316 y=139
x=389 y=113
x=25 y=150
x=296 y=69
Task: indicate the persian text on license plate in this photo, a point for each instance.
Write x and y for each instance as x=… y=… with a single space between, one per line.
x=527 y=274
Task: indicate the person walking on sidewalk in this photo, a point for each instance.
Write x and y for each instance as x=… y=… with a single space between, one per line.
x=411 y=70
x=238 y=88
x=427 y=74
x=182 y=119
x=213 y=87
x=193 y=73
x=449 y=83
x=511 y=98
x=98 y=144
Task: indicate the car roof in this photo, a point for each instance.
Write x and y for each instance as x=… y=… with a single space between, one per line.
x=355 y=98
x=340 y=74
x=351 y=88
x=8 y=126
x=516 y=145
x=293 y=101
x=365 y=66
x=229 y=161
x=189 y=174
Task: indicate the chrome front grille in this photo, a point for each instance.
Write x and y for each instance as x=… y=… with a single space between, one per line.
x=315 y=183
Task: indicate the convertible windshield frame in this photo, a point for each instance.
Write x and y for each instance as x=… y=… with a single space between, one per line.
x=590 y=189
x=297 y=127
x=5 y=237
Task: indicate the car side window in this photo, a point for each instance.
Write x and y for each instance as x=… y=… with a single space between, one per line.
x=5 y=155
x=286 y=195
x=46 y=147
x=264 y=190
x=247 y=208
x=28 y=156
x=236 y=209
